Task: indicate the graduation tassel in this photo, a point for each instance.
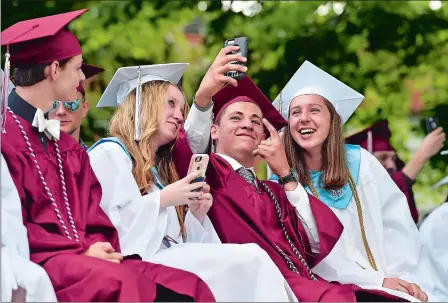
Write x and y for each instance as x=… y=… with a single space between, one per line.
x=369 y=141
x=5 y=84
x=138 y=104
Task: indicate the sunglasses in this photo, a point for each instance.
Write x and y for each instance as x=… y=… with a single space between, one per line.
x=69 y=105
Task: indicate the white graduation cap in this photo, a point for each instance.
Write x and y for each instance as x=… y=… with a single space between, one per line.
x=309 y=79
x=126 y=79
x=441 y=182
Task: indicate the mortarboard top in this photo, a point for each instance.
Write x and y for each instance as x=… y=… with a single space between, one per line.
x=89 y=71
x=126 y=78
x=41 y=40
x=309 y=79
x=380 y=137
x=247 y=91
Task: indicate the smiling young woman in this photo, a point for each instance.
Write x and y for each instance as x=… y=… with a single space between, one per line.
x=380 y=239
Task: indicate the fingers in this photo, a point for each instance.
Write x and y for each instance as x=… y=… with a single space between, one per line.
x=418 y=293
x=402 y=289
x=262 y=153
x=232 y=58
x=113 y=260
x=281 y=135
x=271 y=129
x=106 y=247
x=114 y=256
x=193 y=195
x=195 y=185
x=224 y=51
x=231 y=67
x=206 y=200
x=206 y=188
x=225 y=79
x=205 y=197
x=405 y=285
x=191 y=176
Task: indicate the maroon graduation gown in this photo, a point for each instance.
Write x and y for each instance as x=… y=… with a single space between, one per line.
x=403 y=183
x=76 y=277
x=182 y=153
x=240 y=214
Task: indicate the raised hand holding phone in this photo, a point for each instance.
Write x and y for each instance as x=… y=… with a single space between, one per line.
x=216 y=76
x=243 y=44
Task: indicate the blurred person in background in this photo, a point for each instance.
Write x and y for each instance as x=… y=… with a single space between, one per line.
x=376 y=139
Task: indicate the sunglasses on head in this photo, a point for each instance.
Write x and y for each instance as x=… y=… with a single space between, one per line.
x=69 y=105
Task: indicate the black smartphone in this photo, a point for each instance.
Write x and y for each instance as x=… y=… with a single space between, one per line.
x=431 y=124
x=243 y=43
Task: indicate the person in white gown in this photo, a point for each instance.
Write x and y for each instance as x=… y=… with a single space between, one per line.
x=380 y=246
x=158 y=216
x=434 y=236
x=22 y=280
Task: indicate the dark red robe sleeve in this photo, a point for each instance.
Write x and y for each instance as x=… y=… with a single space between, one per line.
x=404 y=183
x=329 y=228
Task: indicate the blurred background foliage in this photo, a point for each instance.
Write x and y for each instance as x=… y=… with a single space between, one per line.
x=396 y=53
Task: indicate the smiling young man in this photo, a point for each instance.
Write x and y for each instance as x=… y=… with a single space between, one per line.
x=71 y=113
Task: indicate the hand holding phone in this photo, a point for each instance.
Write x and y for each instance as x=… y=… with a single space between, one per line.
x=243 y=43
x=432 y=123
x=198 y=163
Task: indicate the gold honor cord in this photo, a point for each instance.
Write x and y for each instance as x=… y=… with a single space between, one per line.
x=360 y=218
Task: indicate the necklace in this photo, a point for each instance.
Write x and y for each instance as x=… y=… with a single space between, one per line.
x=44 y=183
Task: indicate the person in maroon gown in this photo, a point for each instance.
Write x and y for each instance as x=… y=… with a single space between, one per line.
x=69 y=235
x=376 y=139
x=248 y=210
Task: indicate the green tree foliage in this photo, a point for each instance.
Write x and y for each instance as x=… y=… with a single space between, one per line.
x=380 y=48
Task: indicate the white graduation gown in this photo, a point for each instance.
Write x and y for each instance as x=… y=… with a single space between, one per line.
x=391 y=234
x=233 y=272
x=17 y=269
x=434 y=236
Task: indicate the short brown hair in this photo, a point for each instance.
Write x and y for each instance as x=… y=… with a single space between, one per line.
x=33 y=75
x=334 y=162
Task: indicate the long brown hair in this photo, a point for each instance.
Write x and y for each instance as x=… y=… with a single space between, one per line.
x=154 y=96
x=334 y=163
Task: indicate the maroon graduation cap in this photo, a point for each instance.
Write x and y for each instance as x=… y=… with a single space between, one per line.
x=89 y=71
x=41 y=40
x=375 y=138
x=247 y=91
x=37 y=41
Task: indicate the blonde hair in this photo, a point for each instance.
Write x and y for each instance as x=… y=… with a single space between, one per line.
x=334 y=163
x=154 y=97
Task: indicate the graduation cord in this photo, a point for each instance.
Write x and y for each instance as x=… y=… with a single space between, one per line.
x=278 y=211
x=47 y=189
x=360 y=219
